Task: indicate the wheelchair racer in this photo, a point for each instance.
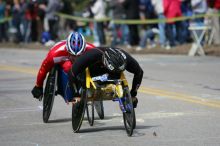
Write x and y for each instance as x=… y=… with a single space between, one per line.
x=63 y=53
x=103 y=60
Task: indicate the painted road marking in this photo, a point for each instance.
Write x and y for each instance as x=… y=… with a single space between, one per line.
x=31 y=71
x=146 y=90
x=180 y=96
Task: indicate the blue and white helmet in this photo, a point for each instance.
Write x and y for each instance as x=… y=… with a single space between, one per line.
x=75 y=43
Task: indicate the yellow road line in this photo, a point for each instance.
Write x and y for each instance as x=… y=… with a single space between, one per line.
x=31 y=71
x=182 y=97
x=179 y=94
x=146 y=90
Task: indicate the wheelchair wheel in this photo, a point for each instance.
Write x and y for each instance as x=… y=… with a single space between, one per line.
x=129 y=115
x=134 y=125
x=78 y=111
x=90 y=112
x=49 y=94
x=99 y=108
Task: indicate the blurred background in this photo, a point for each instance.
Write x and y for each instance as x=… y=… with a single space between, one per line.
x=158 y=26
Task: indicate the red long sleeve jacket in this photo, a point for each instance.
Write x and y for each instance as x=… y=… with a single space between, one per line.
x=57 y=55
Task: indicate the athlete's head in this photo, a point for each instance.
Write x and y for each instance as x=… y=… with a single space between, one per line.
x=75 y=43
x=114 y=60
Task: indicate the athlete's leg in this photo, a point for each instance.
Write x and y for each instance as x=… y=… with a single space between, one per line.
x=63 y=74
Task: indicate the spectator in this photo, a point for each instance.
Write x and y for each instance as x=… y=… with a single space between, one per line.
x=33 y=10
x=132 y=12
x=25 y=21
x=147 y=9
x=53 y=6
x=69 y=9
x=93 y=25
x=98 y=10
x=8 y=8
x=173 y=28
x=119 y=31
x=3 y=23
x=215 y=5
x=8 y=13
x=41 y=16
x=186 y=11
x=149 y=35
x=158 y=7
x=16 y=20
x=199 y=7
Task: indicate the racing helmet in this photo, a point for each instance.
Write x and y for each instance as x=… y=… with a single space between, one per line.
x=75 y=43
x=114 y=60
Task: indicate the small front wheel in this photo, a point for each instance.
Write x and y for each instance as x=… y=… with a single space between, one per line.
x=90 y=112
x=99 y=109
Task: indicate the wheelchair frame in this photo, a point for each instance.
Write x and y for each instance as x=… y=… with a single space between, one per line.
x=91 y=92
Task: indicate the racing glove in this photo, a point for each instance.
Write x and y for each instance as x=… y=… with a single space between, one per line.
x=135 y=102
x=37 y=92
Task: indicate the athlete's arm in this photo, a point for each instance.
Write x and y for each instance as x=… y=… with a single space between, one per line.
x=46 y=66
x=134 y=67
x=55 y=55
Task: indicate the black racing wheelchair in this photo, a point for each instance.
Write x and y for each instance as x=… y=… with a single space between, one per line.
x=95 y=91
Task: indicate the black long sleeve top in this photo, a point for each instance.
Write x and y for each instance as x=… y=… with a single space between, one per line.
x=93 y=60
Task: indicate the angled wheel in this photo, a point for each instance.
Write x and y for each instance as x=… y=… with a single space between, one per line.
x=78 y=111
x=90 y=112
x=129 y=115
x=49 y=94
x=99 y=108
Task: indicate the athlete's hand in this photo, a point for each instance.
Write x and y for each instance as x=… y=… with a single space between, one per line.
x=37 y=92
x=135 y=102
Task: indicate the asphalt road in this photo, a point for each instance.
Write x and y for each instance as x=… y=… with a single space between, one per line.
x=179 y=105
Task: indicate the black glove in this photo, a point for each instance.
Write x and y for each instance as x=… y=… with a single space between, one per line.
x=135 y=102
x=37 y=92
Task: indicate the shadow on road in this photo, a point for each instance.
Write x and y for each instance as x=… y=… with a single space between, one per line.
x=60 y=120
x=208 y=87
x=115 y=128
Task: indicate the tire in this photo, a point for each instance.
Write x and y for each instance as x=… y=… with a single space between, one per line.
x=99 y=109
x=134 y=125
x=129 y=115
x=78 y=111
x=49 y=94
x=90 y=112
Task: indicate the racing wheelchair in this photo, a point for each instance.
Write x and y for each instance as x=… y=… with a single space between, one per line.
x=52 y=88
x=93 y=90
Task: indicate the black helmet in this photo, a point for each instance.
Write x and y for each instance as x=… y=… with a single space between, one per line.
x=114 y=60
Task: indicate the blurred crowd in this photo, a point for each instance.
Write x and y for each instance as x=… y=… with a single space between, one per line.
x=166 y=35
x=36 y=21
x=31 y=20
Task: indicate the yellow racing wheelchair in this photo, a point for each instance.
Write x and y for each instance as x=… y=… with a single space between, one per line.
x=94 y=90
